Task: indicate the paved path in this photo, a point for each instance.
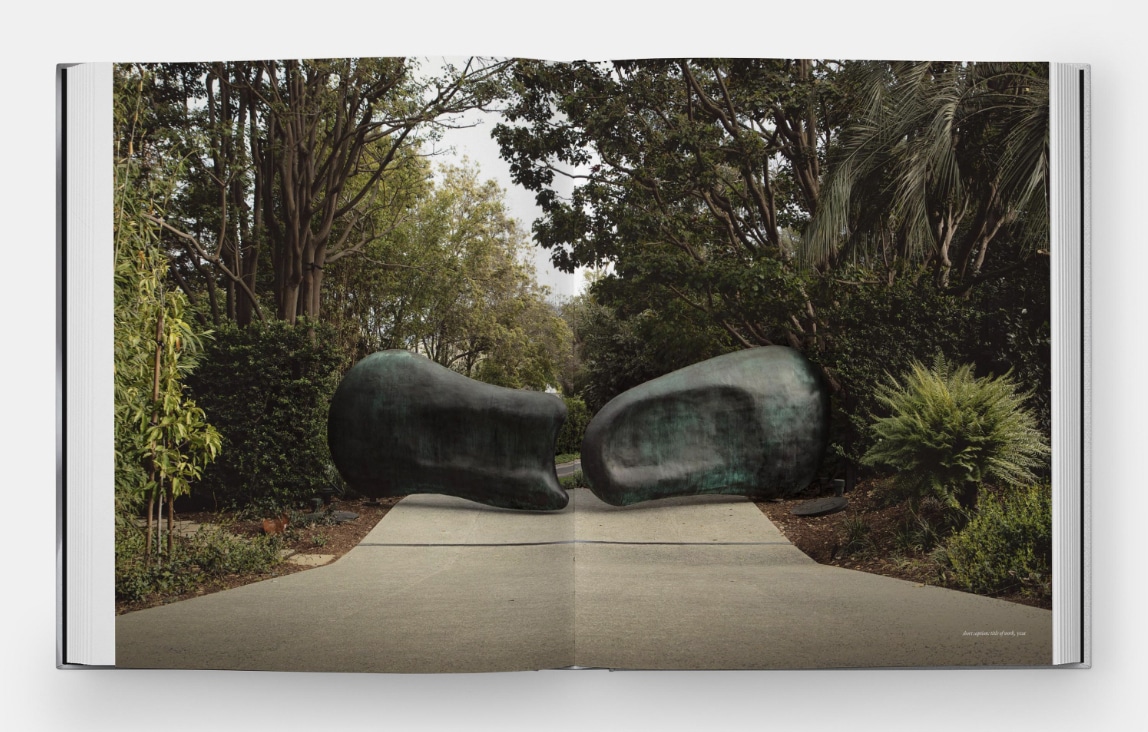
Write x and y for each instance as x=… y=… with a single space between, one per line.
x=442 y=584
x=565 y=470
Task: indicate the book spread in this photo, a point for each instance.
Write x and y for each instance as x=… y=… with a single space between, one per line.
x=427 y=365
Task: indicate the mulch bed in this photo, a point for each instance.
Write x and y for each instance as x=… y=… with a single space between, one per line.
x=332 y=539
x=826 y=539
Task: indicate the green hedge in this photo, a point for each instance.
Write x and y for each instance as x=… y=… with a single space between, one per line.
x=1007 y=546
x=267 y=389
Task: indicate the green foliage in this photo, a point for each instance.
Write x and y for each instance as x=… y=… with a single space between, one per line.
x=210 y=553
x=857 y=540
x=694 y=175
x=924 y=526
x=1007 y=546
x=874 y=328
x=449 y=281
x=1014 y=332
x=621 y=348
x=948 y=432
x=292 y=164
x=162 y=438
x=577 y=480
x=574 y=428
x=943 y=160
x=267 y=388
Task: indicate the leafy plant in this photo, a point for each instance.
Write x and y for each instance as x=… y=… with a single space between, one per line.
x=162 y=438
x=1007 y=546
x=949 y=432
x=569 y=442
x=577 y=480
x=210 y=553
x=919 y=532
x=857 y=536
x=267 y=388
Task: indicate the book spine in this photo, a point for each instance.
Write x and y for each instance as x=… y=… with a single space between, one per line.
x=1068 y=90
x=88 y=562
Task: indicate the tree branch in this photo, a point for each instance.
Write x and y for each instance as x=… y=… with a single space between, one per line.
x=198 y=249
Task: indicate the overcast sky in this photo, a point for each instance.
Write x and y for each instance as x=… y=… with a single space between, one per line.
x=475 y=143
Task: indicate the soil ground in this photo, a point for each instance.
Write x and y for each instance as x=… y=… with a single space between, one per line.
x=868 y=536
x=329 y=539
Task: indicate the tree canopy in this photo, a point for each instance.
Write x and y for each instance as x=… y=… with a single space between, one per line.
x=292 y=165
x=789 y=202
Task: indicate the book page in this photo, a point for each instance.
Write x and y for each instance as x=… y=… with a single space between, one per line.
x=794 y=412
x=333 y=362
x=440 y=585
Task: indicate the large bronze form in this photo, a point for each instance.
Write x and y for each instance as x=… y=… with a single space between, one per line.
x=752 y=423
x=400 y=423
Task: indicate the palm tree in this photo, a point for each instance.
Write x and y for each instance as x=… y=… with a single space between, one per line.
x=941 y=160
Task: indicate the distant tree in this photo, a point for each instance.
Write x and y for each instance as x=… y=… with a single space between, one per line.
x=451 y=281
x=791 y=202
x=688 y=176
x=286 y=158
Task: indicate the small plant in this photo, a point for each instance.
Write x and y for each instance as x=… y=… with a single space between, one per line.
x=948 y=432
x=210 y=553
x=1006 y=547
x=857 y=536
x=918 y=534
x=319 y=539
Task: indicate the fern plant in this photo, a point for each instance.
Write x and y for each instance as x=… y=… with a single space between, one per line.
x=948 y=432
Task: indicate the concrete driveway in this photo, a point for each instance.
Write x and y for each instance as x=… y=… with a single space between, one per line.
x=706 y=582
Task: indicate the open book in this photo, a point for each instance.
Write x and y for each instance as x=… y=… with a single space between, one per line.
x=858 y=213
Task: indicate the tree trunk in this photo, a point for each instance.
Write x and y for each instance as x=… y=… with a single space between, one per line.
x=170 y=521
x=159 y=521
x=154 y=419
x=147 y=541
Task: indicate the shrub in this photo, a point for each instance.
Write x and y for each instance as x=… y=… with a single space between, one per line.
x=923 y=527
x=576 y=480
x=162 y=439
x=210 y=553
x=574 y=428
x=857 y=539
x=948 y=432
x=267 y=388
x=1006 y=547
x=878 y=328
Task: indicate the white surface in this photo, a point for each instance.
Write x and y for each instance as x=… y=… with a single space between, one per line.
x=1068 y=338
x=90 y=545
x=1104 y=34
